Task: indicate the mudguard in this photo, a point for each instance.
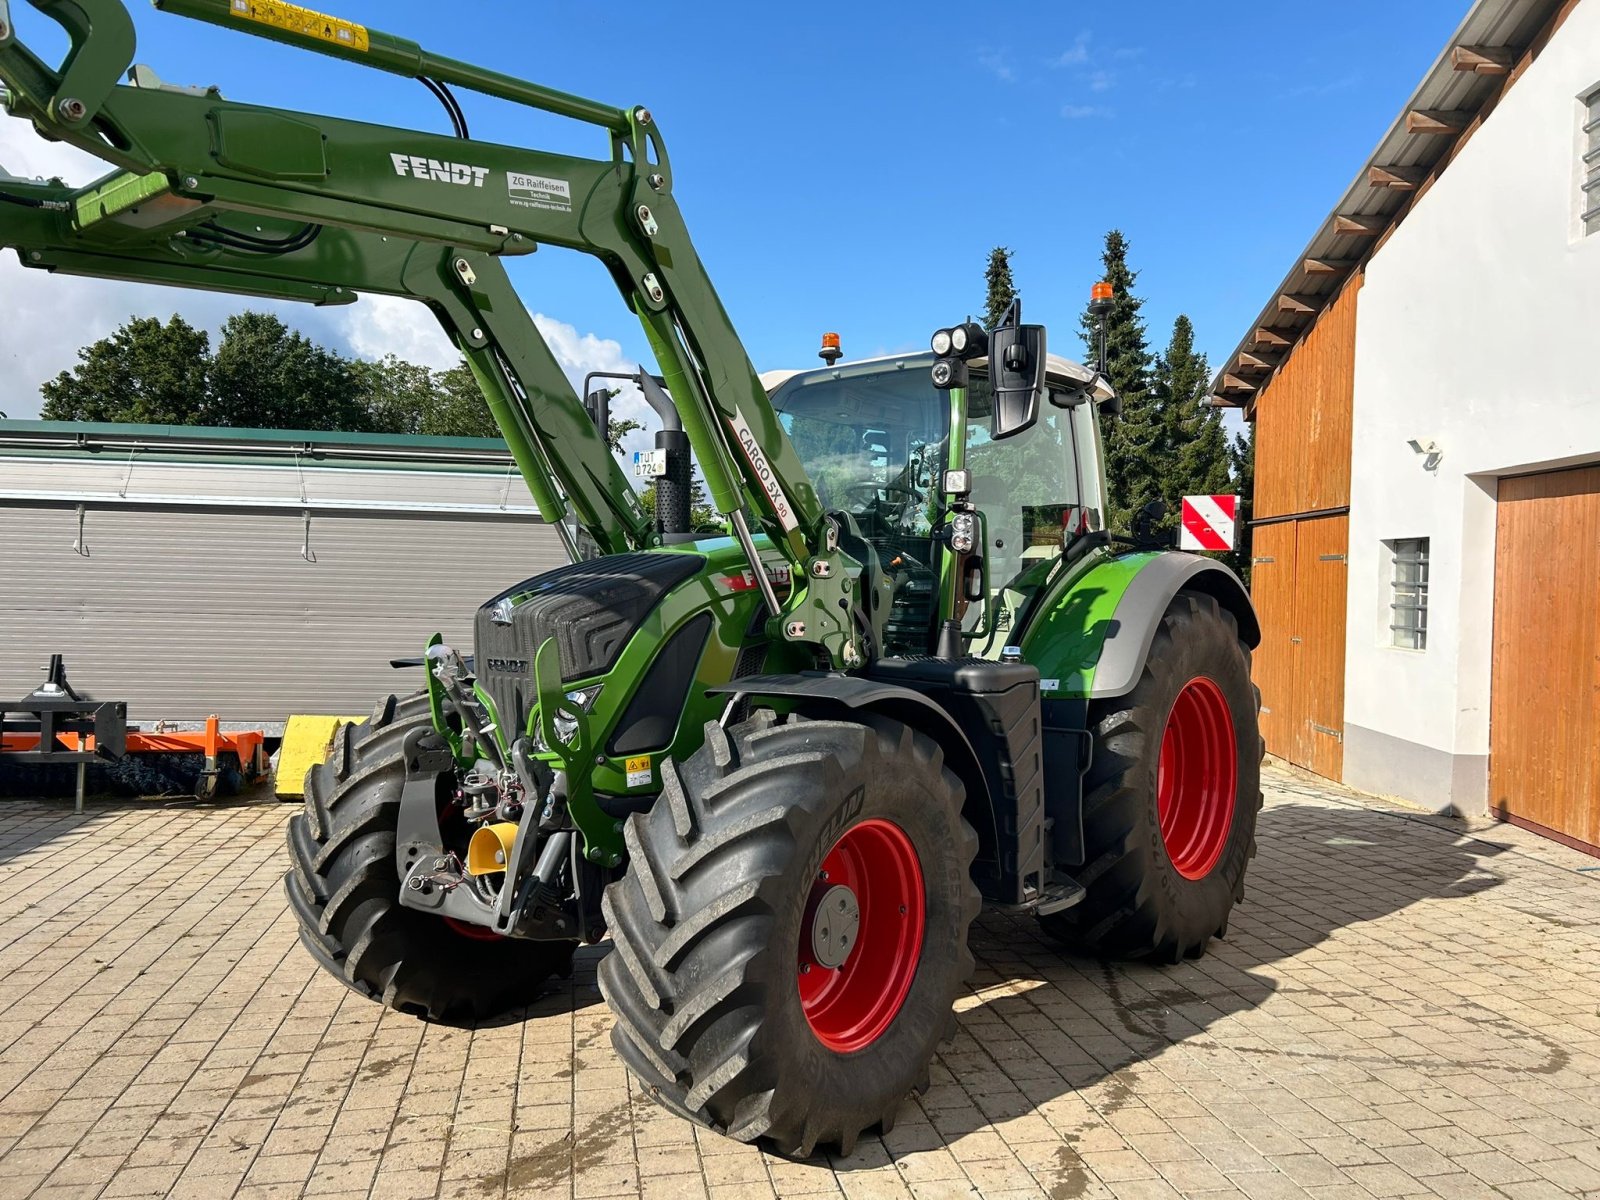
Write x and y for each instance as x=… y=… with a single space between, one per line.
x=816 y=692
x=1093 y=632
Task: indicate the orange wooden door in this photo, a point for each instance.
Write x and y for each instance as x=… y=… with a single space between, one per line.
x=1320 y=586
x=1272 y=572
x=1544 y=713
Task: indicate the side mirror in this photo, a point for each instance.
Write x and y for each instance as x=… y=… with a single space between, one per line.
x=1016 y=377
x=598 y=405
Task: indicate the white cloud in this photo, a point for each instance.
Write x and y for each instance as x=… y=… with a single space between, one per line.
x=1101 y=81
x=999 y=64
x=26 y=155
x=1080 y=112
x=1076 y=54
x=378 y=325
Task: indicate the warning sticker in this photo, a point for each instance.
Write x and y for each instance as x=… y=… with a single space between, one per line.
x=291 y=18
x=639 y=772
x=538 y=191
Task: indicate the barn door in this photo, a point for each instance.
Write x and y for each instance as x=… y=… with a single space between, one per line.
x=1272 y=574
x=1297 y=582
x=1544 y=714
x=1320 y=586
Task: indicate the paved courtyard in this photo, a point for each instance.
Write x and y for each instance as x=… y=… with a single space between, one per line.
x=1404 y=1007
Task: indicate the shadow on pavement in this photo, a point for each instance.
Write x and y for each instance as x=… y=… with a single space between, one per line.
x=1044 y=1022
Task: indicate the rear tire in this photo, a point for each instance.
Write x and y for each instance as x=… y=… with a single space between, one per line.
x=344 y=887
x=1167 y=840
x=725 y=1009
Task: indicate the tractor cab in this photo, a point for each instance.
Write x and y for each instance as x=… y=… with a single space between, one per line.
x=875 y=437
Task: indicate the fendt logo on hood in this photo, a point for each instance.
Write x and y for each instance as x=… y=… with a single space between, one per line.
x=417 y=167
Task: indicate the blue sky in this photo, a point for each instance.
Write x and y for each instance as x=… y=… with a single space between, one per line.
x=848 y=167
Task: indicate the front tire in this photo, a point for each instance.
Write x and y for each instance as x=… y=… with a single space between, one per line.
x=344 y=888
x=1171 y=796
x=730 y=1008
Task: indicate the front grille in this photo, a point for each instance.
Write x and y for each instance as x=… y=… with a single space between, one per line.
x=591 y=608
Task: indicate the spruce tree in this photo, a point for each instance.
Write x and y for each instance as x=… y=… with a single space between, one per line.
x=1000 y=288
x=1135 y=441
x=1197 y=450
x=1242 y=453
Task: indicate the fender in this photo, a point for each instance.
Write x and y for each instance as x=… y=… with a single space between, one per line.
x=814 y=690
x=1092 y=636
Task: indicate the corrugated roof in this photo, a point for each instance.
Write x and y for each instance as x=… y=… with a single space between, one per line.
x=1458 y=87
x=310 y=447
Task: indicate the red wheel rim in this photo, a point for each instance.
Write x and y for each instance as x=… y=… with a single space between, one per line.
x=850 y=1006
x=1197 y=778
x=466 y=929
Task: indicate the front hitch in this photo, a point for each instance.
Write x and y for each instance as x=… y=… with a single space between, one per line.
x=434 y=879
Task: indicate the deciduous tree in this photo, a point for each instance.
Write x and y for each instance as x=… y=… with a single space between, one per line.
x=145 y=372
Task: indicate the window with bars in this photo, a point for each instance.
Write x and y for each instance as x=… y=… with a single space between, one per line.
x=1408 y=605
x=1589 y=174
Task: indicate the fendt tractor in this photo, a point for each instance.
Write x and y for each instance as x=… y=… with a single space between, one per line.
x=781 y=767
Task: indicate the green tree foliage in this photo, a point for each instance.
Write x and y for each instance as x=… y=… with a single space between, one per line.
x=702 y=517
x=402 y=397
x=1198 y=459
x=1000 y=289
x=1134 y=443
x=1242 y=454
x=617 y=429
x=1169 y=441
x=145 y=372
x=265 y=375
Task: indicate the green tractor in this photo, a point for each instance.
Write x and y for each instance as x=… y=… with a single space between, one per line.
x=780 y=767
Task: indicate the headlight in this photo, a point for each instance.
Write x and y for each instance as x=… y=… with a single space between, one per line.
x=963 y=532
x=958 y=339
x=567 y=727
x=941 y=342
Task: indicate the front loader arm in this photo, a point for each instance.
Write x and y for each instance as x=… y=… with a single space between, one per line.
x=189 y=157
x=335 y=268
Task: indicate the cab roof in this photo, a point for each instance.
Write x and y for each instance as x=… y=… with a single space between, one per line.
x=1057 y=369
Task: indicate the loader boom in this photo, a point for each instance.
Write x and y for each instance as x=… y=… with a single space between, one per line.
x=221 y=195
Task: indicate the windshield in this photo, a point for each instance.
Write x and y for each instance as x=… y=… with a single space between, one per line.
x=872 y=438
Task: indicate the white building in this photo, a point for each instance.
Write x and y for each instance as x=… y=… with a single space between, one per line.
x=1451 y=305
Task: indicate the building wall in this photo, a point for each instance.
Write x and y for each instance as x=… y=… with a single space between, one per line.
x=200 y=588
x=1477 y=330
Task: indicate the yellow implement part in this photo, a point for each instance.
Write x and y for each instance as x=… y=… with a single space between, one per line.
x=306 y=742
x=490 y=848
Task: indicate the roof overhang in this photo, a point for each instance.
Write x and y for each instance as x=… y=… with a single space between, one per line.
x=1487 y=51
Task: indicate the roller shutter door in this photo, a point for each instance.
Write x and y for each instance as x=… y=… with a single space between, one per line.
x=185 y=611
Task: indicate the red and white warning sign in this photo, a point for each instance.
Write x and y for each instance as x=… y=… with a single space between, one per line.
x=1208 y=522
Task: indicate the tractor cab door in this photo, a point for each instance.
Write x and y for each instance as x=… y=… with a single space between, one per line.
x=1038 y=491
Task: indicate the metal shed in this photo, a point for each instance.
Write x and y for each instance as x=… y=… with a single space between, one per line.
x=248 y=573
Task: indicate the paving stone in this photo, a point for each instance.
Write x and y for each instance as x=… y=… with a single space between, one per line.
x=1388 y=1017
